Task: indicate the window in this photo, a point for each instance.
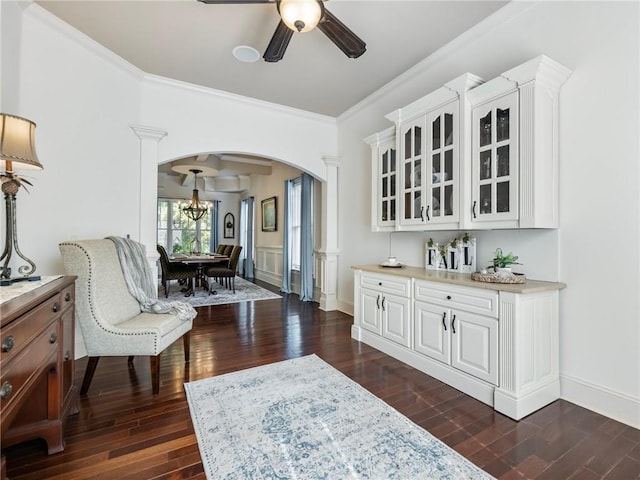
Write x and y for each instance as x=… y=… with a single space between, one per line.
x=295 y=223
x=177 y=233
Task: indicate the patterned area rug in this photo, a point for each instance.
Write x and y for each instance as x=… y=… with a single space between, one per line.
x=303 y=419
x=245 y=292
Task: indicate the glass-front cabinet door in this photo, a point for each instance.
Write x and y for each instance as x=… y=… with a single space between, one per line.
x=387 y=185
x=412 y=203
x=494 y=165
x=442 y=157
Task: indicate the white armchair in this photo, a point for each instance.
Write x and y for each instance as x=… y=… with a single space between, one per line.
x=110 y=319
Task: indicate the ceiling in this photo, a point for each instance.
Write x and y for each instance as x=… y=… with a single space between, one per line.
x=191 y=41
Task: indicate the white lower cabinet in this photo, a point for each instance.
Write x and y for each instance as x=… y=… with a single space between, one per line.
x=499 y=346
x=466 y=341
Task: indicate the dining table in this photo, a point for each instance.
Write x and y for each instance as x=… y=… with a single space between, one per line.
x=201 y=262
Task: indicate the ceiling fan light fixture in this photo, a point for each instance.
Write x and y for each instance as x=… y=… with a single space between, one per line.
x=301 y=15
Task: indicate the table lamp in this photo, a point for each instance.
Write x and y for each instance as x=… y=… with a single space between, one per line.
x=17 y=148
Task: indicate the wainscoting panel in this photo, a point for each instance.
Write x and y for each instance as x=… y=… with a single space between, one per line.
x=268 y=266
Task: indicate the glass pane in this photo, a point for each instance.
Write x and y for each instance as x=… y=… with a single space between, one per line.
x=435 y=202
x=502 y=160
x=407 y=205
x=385 y=162
x=448 y=165
x=407 y=175
x=392 y=181
x=385 y=216
x=392 y=167
x=407 y=144
x=435 y=178
x=418 y=141
x=502 y=197
x=417 y=181
x=435 y=134
x=485 y=198
x=485 y=164
x=485 y=130
x=448 y=129
x=417 y=205
x=503 y=125
x=392 y=205
x=385 y=187
x=448 y=200
x=162 y=237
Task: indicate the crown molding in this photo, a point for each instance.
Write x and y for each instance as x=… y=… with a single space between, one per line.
x=506 y=14
x=234 y=97
x=40 y=14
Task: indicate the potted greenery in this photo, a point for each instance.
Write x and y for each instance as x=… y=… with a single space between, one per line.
x=502 y=263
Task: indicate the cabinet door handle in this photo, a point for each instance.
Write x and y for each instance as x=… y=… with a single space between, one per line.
x=378 y=301
x=422 y=213
x=473 y=209
x=56 y=307
x=444 y=324
x=453 y=324
x=5 y=391
x=383 y=299
x=8 y=343
x=428 y=218
x=53 y=338
x=67 y=297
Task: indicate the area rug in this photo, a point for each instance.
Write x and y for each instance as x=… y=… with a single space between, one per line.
x=245 y=292
x=303 y=419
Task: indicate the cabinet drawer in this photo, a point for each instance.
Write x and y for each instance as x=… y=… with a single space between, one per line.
x=475 y=300
x=386 y=283
x=20 y=332
x=19 y=373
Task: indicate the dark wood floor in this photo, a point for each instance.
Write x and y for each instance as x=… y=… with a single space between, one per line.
x=124 y=432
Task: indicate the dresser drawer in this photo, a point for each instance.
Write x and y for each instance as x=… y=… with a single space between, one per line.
x=386 y=283
x=18 y=334
x=474 y=300
x=19 y=373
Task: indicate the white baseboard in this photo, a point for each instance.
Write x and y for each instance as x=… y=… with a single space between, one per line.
x=345 y=307
x=618 y=406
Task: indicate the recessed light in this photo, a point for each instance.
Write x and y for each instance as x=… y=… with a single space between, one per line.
x=246 y=54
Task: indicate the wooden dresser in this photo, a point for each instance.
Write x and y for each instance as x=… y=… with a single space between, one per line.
x=37 y=391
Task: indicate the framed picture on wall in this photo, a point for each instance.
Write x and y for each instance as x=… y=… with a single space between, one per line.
x=270 y=214
x=229 y=225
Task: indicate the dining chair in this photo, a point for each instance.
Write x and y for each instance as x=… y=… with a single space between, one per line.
x=174 y=271
x=226 y=274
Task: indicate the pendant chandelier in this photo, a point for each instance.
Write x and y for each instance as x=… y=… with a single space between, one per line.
x=196 y=209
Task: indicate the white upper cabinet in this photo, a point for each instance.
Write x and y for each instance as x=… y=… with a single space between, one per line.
x=473 y=155
x=428 y=142
x=383 y=180
x=514 y=154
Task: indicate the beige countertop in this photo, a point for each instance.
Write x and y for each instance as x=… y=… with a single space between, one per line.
x=462 y=279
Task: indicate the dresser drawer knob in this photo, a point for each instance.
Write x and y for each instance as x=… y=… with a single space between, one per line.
x=53 y=338
x=448 y=297
x=67 y=297
x=56 y=307
x=5 y=391
x=8 y=343
x=67 y=355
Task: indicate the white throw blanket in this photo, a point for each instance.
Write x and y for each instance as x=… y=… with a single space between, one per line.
x=137 y=275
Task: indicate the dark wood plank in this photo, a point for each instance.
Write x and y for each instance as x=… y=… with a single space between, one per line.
x=123 y=431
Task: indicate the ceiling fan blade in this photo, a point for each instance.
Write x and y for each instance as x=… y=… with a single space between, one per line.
x=278 y=44
x=235 y=1
x=339 y=33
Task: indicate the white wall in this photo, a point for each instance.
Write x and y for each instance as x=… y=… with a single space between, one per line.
x=84 y=99
x=599 y=184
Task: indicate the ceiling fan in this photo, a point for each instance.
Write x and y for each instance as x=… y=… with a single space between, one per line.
x=303 y=16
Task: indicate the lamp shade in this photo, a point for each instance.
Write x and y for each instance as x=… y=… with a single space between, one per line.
x=18 y=142
x=301 y=15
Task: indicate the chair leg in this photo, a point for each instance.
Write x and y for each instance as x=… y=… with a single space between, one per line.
x=166 y=288
x=130 y=359
x=186 y=342
x=233 y=281
x=154 y=360
x=88 y=374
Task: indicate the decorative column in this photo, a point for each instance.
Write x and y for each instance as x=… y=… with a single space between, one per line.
x=148 y=202
x=327 y=256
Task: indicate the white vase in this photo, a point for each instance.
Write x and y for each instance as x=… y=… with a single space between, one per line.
x=504 y=272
